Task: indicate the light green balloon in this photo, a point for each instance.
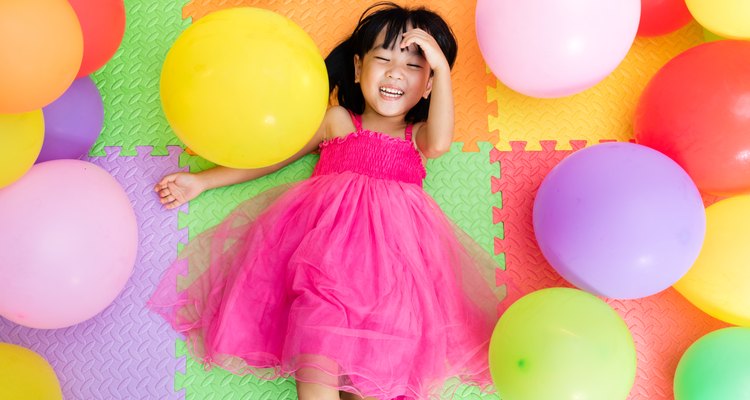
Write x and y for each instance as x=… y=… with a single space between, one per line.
x=716 y=366
x=562 y=344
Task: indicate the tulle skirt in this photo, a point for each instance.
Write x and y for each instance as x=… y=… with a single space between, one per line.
x=357 y=283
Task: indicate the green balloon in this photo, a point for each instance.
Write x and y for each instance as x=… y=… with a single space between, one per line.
x=716 y=366
x=562 y=344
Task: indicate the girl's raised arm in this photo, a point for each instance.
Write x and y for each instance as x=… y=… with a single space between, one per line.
x=434 y=137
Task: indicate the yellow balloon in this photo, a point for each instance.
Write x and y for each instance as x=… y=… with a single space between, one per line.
x=725 y=18
x=21 y=137
x=25 y=375
x=244 y=87
x=719 y=281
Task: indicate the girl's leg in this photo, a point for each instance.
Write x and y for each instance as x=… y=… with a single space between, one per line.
x=349 y=396
x=325 y=389
x=352 y=396
x=316 y=391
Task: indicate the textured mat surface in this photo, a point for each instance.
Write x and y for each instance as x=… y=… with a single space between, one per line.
x=125 y=352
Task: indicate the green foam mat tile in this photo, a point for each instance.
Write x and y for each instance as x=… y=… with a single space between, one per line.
x=218 y=384
x=211 y=207
x=129 y=82
x=460 y=183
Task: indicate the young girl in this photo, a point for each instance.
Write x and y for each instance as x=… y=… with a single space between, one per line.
x=353 y=281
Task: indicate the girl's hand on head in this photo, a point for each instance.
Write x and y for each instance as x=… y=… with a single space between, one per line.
x=432 y=51
x=177 y=189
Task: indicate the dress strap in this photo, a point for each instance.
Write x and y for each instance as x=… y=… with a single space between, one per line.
x=356 y=120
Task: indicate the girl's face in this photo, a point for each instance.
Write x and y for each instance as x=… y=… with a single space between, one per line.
x=392 y=80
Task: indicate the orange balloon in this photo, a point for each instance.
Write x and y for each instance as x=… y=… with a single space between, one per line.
x=41 y=47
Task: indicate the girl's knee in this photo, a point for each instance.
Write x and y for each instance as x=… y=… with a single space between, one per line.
x=316 y=391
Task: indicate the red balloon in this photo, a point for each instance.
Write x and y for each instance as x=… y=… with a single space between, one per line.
x=696 y=110
x=659 y=17
x=103 y=25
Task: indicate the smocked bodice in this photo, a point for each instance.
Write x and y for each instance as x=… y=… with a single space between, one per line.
x=373 y=154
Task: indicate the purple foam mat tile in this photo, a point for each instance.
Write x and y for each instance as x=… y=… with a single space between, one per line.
x=125 y=352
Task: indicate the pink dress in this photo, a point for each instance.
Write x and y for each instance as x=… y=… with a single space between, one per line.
x=353 y=278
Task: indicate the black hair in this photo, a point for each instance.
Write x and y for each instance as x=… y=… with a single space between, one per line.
x=395 y=20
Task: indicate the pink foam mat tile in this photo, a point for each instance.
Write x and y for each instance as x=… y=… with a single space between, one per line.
x=663 y=325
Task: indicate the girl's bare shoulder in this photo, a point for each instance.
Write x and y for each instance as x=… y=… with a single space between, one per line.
x=339 y=122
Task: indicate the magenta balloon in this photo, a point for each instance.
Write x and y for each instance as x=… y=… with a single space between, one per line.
x=72 y=123
x=619 y=220
x=68 y=244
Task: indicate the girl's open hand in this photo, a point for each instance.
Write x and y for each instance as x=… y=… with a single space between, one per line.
x=432 y=52
x=177 y=189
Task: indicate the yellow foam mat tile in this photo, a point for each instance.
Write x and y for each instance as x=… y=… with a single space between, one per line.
x=329 y=21
x=603 y=112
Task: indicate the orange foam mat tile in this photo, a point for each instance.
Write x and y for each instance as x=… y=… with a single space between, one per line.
x=663 y=325
x=329 y=21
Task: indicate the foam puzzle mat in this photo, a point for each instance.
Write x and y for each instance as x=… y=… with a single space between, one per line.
x=505 y=144
x=126 y=352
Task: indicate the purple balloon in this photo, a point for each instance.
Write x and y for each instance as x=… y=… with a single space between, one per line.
x=619 y=220
x=72 y=123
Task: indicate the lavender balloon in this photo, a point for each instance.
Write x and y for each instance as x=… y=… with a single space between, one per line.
x=72 y=123
x=619 y=220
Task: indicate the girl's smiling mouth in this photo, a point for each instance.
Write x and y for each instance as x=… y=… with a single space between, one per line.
x=390 y=92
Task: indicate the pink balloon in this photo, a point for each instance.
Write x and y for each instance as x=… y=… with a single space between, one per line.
x=68 y=244
x=555 y=48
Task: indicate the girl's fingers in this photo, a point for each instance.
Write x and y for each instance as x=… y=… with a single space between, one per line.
x=166 y=189
x=416 y=33
x=408 y=40
x=174 y=189
x=173 y=204
x=421 y=40
x=170 y=202
x=164 y=181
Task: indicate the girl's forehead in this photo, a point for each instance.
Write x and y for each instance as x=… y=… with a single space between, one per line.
x=380 y=41
x=380 y=38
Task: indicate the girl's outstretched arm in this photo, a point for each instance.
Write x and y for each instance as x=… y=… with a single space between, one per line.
x=179 y=188
x=435 y=136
